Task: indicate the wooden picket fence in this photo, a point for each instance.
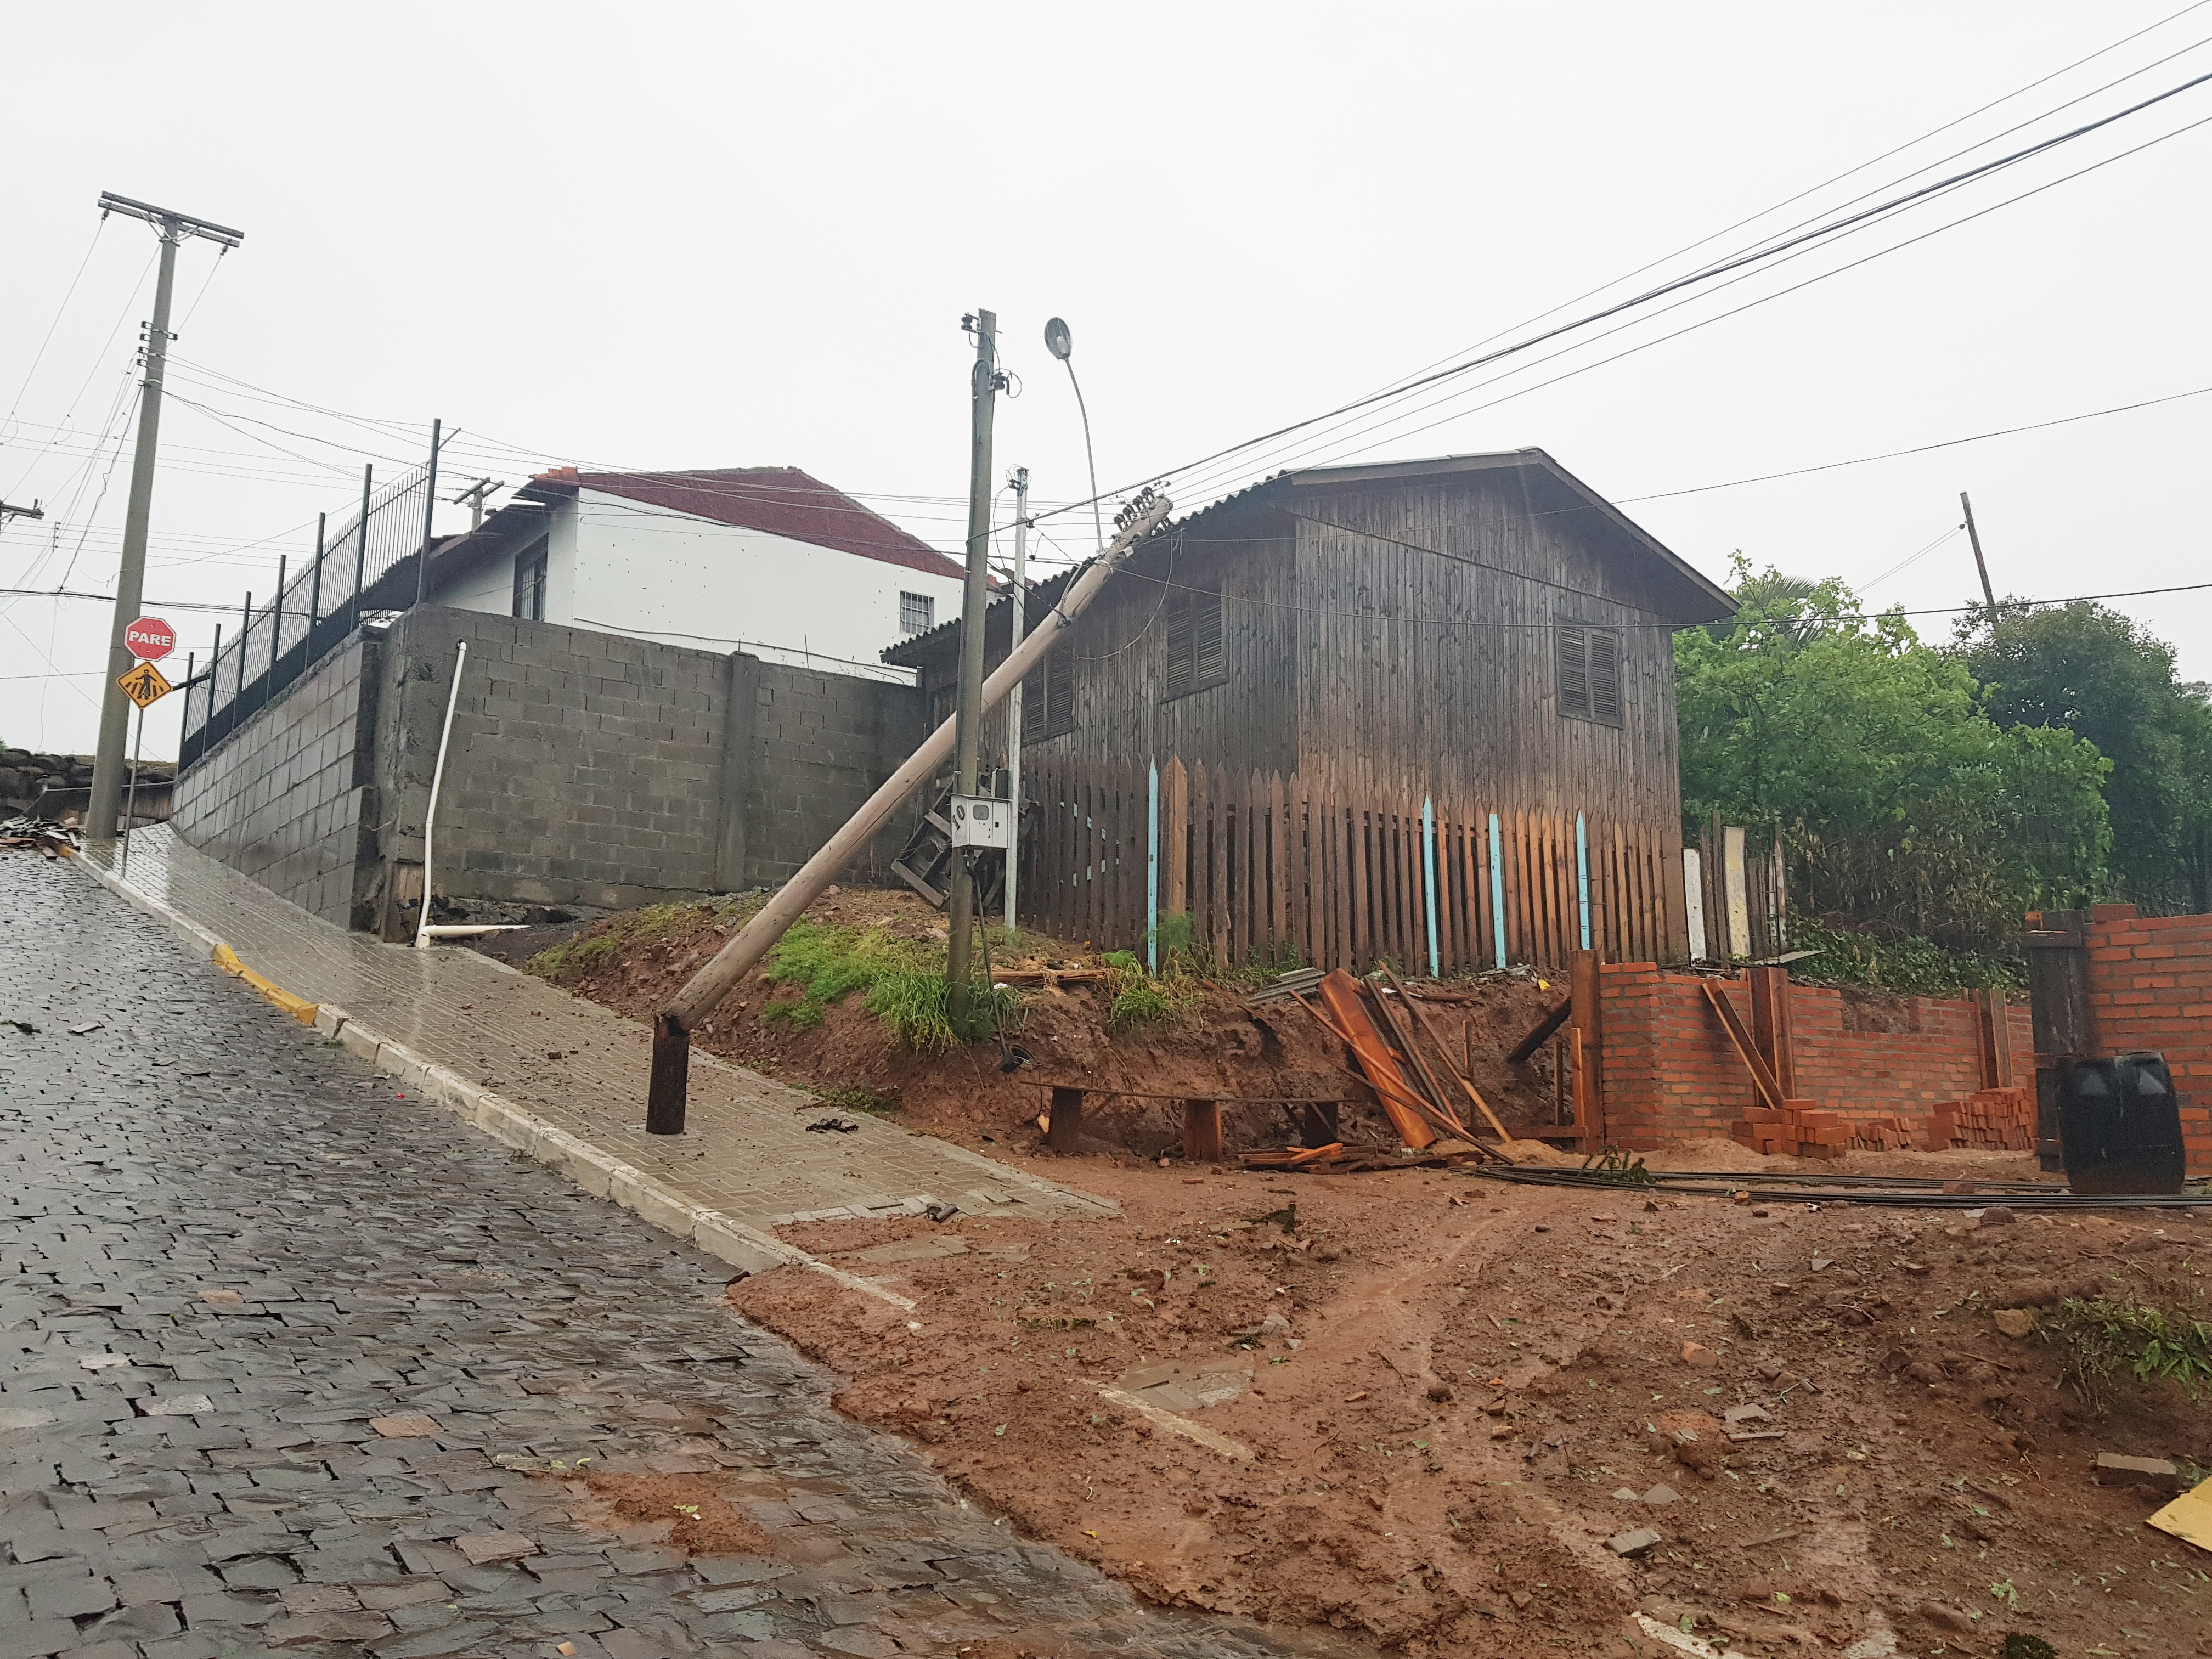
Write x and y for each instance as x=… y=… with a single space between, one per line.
x=1271 y=869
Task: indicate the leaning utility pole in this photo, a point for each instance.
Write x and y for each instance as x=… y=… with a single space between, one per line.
x=673 y=1025
x=1989 y=596
x=173 y=227
x=968 y=710
x=1014 y=702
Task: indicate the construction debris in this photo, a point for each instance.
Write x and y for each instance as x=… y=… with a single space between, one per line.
x=52 y=839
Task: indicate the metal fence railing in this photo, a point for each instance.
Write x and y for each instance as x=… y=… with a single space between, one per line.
x=366 y=563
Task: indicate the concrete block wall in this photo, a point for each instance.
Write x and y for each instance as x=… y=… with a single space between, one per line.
x=287 y=799
x=821 y=743
x=2150 y=987
x=584 y=768
x=1672 y=1074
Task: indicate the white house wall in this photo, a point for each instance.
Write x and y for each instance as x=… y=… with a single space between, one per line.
x=632 y=568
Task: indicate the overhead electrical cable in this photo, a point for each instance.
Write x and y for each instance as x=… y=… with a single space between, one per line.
x=1828 y=229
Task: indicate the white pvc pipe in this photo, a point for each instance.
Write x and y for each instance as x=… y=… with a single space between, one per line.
x=470 y=929
x=423 y=934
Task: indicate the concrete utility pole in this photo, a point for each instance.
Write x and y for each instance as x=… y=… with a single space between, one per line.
x=173 y=227
x=1014 y=702
x=968 y=710
x=474 y=496
x=1989 y=595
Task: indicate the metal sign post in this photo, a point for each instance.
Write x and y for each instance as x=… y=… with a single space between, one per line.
x=150 y=639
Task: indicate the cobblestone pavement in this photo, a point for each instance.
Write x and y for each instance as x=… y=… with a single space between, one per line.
x=581 y=1067
x=279 y=1349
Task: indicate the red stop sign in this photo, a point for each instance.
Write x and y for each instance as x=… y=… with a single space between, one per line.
x=150 y=639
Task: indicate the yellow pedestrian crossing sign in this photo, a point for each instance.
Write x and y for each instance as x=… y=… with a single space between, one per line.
x=144 y=685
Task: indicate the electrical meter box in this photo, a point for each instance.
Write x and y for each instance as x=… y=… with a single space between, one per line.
x=982 y=821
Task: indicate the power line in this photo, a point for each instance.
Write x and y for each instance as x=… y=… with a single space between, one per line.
x=1829 y=229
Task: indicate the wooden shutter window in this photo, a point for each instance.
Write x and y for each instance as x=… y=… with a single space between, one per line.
x=1194 y=650
x=1605 y=675
x=1573 y=645
x=1179 y=652
x=1059 y=693
x=1206 y=638
x=1033 y=689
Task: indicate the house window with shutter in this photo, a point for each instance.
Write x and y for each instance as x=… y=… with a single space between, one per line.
x=1195 y=658
x=1589 y=672
x=1048 y=697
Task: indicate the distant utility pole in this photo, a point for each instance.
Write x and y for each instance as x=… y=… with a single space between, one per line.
x=968 y=711
x=173 y=227
x=474 y=496
x=1989 y=595
x=1014 y=702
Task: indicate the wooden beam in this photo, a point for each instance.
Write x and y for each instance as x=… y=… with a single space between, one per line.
x=1537 y=1038
x=1770 y=1029
x=1201 y=1130
x=1762 y=1080
x=1588 y=1044
x=1066 y=1120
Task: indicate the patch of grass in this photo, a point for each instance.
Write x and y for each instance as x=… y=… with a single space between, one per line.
x=2101 y=1340
x=1140 y=999
x=903 y=981
x=1908 y=966
x=573 y=955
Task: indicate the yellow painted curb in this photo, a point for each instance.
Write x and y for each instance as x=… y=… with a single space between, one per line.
x=298 y=1007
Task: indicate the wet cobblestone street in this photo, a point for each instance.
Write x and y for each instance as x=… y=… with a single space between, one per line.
x=291 y=1364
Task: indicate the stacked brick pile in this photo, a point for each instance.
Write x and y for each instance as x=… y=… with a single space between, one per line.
x=1887 y=1134
x=1988 y=1120
x=1798 y=1130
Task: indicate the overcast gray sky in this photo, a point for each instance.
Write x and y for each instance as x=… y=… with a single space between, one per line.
x=671 y=236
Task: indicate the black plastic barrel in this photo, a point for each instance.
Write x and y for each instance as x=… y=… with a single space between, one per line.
x=2119 y=1125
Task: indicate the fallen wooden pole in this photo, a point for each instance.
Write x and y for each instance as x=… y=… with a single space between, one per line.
x=672 y=1027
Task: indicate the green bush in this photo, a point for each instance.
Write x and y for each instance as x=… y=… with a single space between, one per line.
x=1141 y=1000
x=1907 y=965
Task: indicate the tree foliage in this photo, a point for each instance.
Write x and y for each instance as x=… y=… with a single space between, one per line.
x=2087 y=669
x=1901 y=801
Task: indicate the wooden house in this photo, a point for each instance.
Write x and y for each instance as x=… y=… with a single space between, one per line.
x=1422 y=711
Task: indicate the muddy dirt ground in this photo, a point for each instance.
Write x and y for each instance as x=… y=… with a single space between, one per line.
x=1220 y=1048
x=1415 y=1406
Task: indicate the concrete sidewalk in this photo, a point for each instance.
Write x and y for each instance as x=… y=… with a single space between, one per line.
x=564 y=1079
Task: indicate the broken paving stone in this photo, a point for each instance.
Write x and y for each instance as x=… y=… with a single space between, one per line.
x=176 y=1405
x=2015 y=1322
x=1631 y=1544
x=1662 y=1493
x=1998 y=1216
x=223 y=1298
x=1744 y=1414
x=23 y=1416
x=406 y=1426
x=2112 y=1469
x=100 y=1362
x=1628 y=1495
x=1521 y=1598
x=482 y=1548
x=1698 y=1354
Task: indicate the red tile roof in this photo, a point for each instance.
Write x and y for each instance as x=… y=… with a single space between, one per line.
x=780 y=500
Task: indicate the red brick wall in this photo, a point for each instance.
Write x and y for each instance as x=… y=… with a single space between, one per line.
x=2150 y=987
x=1672 y=1074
